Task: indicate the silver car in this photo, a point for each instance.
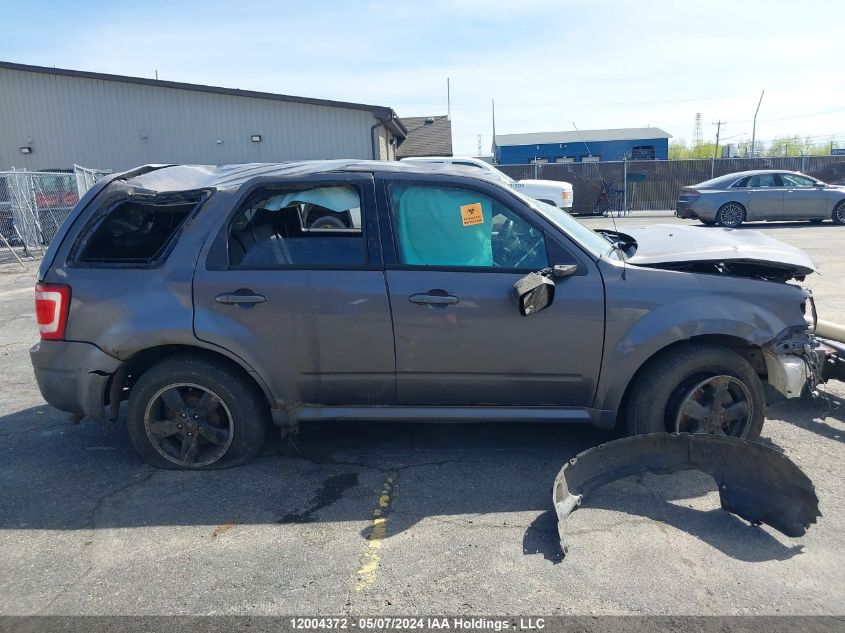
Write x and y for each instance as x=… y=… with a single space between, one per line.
x=762 y=195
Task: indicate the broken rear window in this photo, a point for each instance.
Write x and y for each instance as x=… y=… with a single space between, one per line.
x=136 y=232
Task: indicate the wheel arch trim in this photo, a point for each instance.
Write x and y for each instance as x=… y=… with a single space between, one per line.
x=649 y=337
x=142 y=360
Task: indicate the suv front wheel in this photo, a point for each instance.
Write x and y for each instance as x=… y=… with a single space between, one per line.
x=194 y=413
x=697 y=388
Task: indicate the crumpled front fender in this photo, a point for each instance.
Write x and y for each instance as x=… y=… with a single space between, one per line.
x=755 y=481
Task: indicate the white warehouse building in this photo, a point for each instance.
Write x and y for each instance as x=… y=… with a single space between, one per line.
x=52 y=118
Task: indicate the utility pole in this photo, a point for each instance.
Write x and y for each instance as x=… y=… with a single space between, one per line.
x=448 y=99
x=754 y=126
x=718 y=125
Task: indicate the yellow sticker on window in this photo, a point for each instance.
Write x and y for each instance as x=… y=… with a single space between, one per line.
x=471 y=214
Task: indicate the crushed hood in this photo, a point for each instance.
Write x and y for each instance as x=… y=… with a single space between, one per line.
x=663 y=244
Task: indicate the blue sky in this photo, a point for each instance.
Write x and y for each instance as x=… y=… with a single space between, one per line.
x=597 y=63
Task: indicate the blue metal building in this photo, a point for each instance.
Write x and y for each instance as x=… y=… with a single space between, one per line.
x=643 y=143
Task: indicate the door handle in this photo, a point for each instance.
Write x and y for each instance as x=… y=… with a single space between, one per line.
x=240 y=297
x=433 y=297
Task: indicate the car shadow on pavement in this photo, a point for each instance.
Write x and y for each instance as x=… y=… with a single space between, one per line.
x=812 y=415
x=56 y=476
x=718 y=528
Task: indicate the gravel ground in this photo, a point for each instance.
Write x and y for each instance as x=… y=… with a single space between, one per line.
x=86 y=527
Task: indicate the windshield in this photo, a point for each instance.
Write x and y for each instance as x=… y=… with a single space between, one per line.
x=589 y=239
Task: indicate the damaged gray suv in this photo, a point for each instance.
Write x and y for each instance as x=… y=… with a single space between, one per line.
x=220 y=300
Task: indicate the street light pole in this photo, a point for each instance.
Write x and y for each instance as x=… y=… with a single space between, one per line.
x=754 y=127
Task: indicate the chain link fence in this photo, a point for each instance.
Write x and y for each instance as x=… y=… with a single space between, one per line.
x=654 y=185
x=33 y=205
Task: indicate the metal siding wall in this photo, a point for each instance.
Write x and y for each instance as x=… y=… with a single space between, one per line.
x=99 y=124
x=608 y=150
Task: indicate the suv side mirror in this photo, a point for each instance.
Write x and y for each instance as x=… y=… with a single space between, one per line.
x=534 y=292
x=564 y=270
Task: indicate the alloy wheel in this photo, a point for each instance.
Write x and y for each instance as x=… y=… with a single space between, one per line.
x=730 y=215
x=719 y=404
x=188 y=425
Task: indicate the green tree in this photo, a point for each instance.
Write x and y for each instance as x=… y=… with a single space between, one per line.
x=678 y=150
x=794 y=145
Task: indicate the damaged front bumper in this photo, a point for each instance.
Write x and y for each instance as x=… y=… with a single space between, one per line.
x=798 y=360
x=755 y=481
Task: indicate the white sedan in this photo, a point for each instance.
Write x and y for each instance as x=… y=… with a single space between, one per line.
x=553 y=192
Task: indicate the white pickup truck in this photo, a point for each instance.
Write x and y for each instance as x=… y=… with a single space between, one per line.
x=553 y=192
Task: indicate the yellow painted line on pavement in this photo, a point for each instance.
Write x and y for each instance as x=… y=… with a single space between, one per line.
x=371 y=558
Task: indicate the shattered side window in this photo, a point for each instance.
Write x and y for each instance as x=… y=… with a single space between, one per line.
x=303 y=227
x=135 y=232
x=444 y=226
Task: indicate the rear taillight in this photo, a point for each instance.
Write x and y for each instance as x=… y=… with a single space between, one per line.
x=52 y=302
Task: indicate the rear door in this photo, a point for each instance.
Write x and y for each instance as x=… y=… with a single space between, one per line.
x=765 y=197
x=294 y=285
x=458 y=248
x=801 y=199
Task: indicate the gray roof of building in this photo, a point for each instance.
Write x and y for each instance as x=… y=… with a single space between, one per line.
x=542 y=138
x=426 y=139
x=383 y=113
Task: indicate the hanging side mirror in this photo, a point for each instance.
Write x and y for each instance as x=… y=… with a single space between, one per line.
x=534 y=292
x=559 y=271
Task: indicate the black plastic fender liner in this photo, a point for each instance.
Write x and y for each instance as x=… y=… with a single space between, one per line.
x=755 y=481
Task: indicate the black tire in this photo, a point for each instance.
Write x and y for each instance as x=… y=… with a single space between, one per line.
x=328 y=222
x=730 y=215
x=707 y=222
x=838 y=215
x=659 y=389
x=236 y=421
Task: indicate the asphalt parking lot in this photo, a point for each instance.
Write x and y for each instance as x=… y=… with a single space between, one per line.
x=87 y=528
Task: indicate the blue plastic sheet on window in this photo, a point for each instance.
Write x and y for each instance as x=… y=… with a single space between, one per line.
x=431 y=227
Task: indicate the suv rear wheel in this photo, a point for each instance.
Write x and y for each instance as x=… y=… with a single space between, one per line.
x=194 y=413
x=697 y=388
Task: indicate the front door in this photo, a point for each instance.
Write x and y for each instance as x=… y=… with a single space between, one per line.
x=802 y=199
x=293 y=287
x=459 y=336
